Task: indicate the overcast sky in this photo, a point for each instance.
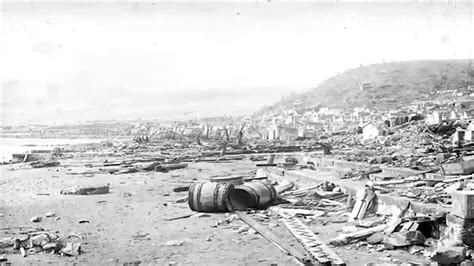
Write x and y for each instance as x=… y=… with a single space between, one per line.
x=76 y=62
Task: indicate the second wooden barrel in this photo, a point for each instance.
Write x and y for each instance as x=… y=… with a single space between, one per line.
x=254 y=194
x=208 y=196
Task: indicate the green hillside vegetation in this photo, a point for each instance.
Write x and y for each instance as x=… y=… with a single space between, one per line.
x=387 y=84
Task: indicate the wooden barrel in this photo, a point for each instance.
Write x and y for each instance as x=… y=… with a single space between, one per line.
x=254 y=194
x=208 y=196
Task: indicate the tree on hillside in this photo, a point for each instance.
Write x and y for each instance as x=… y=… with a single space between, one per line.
x=226 y=133
x=240 y=135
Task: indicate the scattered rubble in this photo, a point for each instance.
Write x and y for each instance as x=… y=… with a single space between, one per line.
x=39 y=241
x=388 y=192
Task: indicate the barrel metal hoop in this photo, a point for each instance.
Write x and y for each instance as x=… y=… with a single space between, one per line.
x=198 y=197
x=191 y=197
x=216 y=195
x=271 y=188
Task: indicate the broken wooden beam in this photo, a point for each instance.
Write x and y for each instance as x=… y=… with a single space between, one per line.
x=284 y=188
x=456 y=179
x=344 y=239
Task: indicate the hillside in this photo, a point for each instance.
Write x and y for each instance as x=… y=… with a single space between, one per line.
x=387 y=84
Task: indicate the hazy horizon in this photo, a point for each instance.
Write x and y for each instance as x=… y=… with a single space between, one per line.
x=64 y=63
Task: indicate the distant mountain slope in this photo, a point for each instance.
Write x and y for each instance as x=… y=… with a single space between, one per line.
x=385 y=84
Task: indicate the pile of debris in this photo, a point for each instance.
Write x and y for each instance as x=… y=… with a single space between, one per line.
x=366 y=225
x=28 y=241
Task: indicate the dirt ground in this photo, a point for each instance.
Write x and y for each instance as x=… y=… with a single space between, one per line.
x=128 y=224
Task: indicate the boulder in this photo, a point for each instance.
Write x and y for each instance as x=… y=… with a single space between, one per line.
x=449 y=255
x=71 y=249
x=405 y=238
x=40 y=240
x=375 y=238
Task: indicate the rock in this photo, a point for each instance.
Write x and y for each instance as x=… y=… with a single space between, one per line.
x=415 y=249
x=328 y=186
x=243 y=229
x=35 y=219
x=71 y=249
x=405 y=238
x=50 y=214
x=201 y=214
x=449 y=255
x=55 y=246
x=339 y=241
x=375 y=238
x=40 y=240
x=174 y=243
x=6 y=242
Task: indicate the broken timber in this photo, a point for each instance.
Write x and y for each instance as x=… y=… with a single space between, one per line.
x=275 y=240
x=308 y=239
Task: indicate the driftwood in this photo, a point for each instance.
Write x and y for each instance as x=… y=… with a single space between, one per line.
x=266 y=164
x=182 y=200
x=85 y=190
x=452 y=180
x=180 y=217
x=390 y=182
x=44 y=164
x=284 y=188
x=170 y=166
x=344 y=239
x=302 y=190
x=181 y=189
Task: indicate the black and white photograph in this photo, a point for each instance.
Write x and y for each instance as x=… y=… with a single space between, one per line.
x=260 y=132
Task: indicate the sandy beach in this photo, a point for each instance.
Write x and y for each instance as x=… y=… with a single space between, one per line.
x=129 y=224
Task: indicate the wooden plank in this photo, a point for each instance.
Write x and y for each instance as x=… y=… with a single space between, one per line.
x=457 y=179
x=344 y=239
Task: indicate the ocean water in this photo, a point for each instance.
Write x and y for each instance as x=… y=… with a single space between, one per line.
x=8 y=146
